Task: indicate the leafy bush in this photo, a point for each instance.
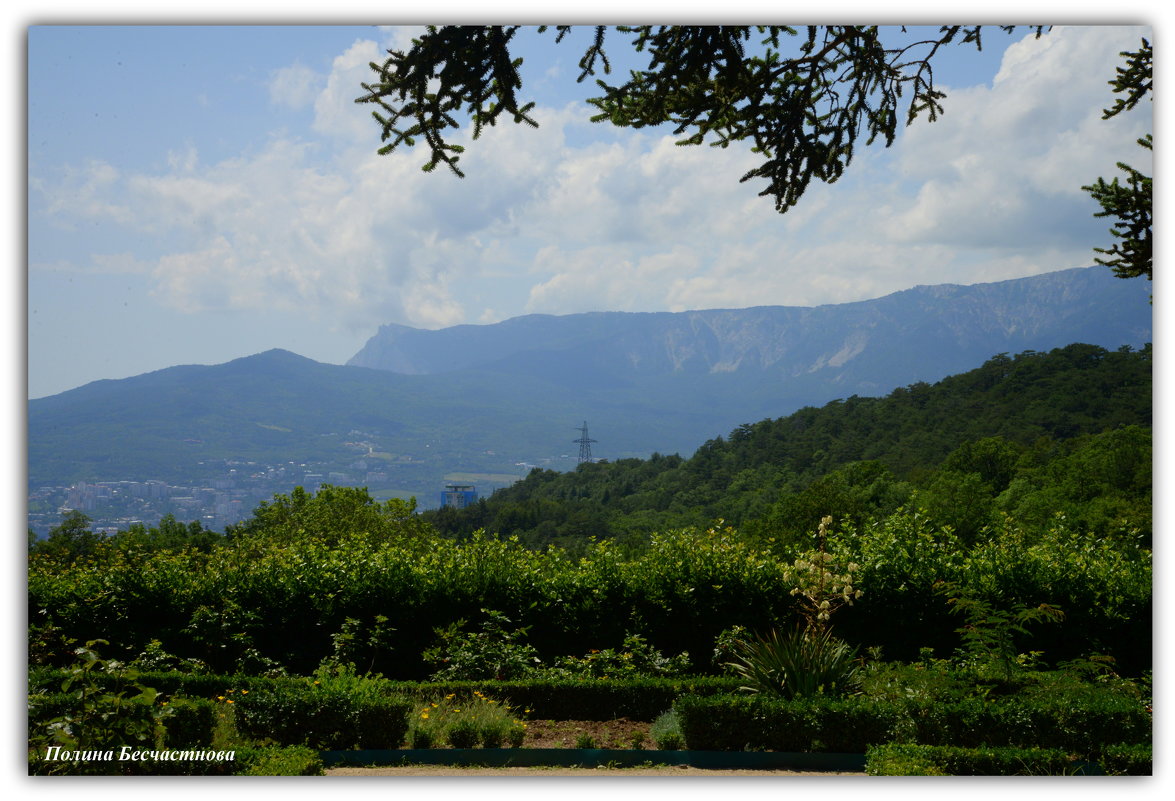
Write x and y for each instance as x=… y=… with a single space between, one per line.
x=636 y=659
x=551 y=699
x=989 y=635
x=92 y=714
x=351 y=644
x=494 y=652
x=155 y=658
x=462 y=733
x=234 y=605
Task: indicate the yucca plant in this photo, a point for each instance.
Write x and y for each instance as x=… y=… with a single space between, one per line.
x=796 y=663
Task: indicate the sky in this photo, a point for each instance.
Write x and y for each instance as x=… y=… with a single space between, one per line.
x=197 y=193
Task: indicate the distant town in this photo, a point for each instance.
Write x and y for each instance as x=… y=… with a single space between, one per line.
x=216 y=502
x=234 y=494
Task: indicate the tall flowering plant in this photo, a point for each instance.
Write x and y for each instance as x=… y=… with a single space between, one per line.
x=808 y=660
x=819 y=584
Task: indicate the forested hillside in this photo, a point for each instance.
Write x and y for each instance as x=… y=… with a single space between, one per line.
x=1030 y=436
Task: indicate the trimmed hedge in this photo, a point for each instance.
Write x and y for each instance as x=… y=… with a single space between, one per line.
x=904 y=759
x=759 y=723
x=547 y=699
x=324 y=719
x=851 y=725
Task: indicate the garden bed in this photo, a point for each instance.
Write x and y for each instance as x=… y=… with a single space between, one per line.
x=613 y=734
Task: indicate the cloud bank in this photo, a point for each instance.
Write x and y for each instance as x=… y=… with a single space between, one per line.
x=567 y=218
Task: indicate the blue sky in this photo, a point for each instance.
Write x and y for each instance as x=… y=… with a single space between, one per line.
x=200 y=193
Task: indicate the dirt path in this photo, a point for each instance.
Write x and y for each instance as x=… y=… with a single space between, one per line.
x=672 y=770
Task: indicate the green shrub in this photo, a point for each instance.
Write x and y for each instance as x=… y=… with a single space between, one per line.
x=666 y=732
x=900 y=759
x=679 y=594
x=278 y=761
x=421 y=737
x=1085 y=720
x=101 y=705
x=494 y=652
x=929 y=760
x=191 y=723
x=1127 y=760
x=546 y=698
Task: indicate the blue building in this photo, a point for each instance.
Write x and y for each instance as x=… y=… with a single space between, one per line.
x=458 y=496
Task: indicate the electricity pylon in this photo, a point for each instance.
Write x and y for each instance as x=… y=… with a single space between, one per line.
x=585 y=444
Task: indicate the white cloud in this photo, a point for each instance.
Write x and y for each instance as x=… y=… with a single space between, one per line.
x=295 y=86
x=83 y=193
x=335 y=111
x=1001 y=159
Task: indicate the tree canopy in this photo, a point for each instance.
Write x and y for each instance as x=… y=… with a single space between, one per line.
x=803 y=97
x=1030 y=436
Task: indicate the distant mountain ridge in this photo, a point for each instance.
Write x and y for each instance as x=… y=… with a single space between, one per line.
x=870 y=346
x=418 y=406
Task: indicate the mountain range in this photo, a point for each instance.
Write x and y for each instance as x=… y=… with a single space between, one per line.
x=421 y=406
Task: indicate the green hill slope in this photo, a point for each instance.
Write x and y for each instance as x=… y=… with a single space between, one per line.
x=1023 y=433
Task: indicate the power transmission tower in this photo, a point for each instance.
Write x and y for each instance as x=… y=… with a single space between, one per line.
x=585 y=444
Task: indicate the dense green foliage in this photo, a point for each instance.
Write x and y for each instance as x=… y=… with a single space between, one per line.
x=256 y=607
x=1028 y=436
